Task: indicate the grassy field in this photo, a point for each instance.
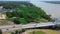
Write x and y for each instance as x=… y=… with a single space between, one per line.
x=41 y=31
x=43 y=20
x=37 y=32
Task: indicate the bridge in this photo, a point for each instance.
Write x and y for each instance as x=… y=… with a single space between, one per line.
x=16 y=27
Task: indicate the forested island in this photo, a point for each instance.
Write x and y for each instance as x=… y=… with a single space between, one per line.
x=25 y=12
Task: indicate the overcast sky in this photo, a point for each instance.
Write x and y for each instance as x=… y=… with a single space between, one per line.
x=29 y=0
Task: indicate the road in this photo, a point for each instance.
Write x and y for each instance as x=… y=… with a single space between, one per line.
x=16 y=27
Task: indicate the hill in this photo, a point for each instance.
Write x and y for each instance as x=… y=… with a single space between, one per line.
x=25 y=12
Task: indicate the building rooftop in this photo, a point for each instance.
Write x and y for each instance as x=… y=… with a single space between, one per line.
x=8 y=10
x=1 y=11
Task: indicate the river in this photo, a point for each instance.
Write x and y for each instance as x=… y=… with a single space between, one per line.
x=49 y=8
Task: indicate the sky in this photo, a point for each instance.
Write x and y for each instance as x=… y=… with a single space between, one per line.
x=29 y=0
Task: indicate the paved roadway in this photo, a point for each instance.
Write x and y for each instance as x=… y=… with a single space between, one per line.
x=16 y=27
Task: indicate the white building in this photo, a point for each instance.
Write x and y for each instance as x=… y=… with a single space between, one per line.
x=1 y=7
x=2 y=16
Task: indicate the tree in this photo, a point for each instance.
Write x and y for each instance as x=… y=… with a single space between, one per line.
x=16 y=32
x=20 y=32
x=16 y=21
x=0 y=31
x=12 y=33
x=23 y=30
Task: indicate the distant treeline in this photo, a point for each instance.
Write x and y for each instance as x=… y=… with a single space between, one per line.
x=54 y=2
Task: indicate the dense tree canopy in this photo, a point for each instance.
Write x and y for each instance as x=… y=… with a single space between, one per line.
x=27 y=11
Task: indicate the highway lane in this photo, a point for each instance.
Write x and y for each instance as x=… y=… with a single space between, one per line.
x=16 y=27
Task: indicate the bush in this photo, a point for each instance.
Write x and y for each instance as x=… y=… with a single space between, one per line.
x=23 y=30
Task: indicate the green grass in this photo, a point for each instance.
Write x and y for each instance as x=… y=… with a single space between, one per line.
x=20 y=20
x=37 y=32
x=42 y=20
